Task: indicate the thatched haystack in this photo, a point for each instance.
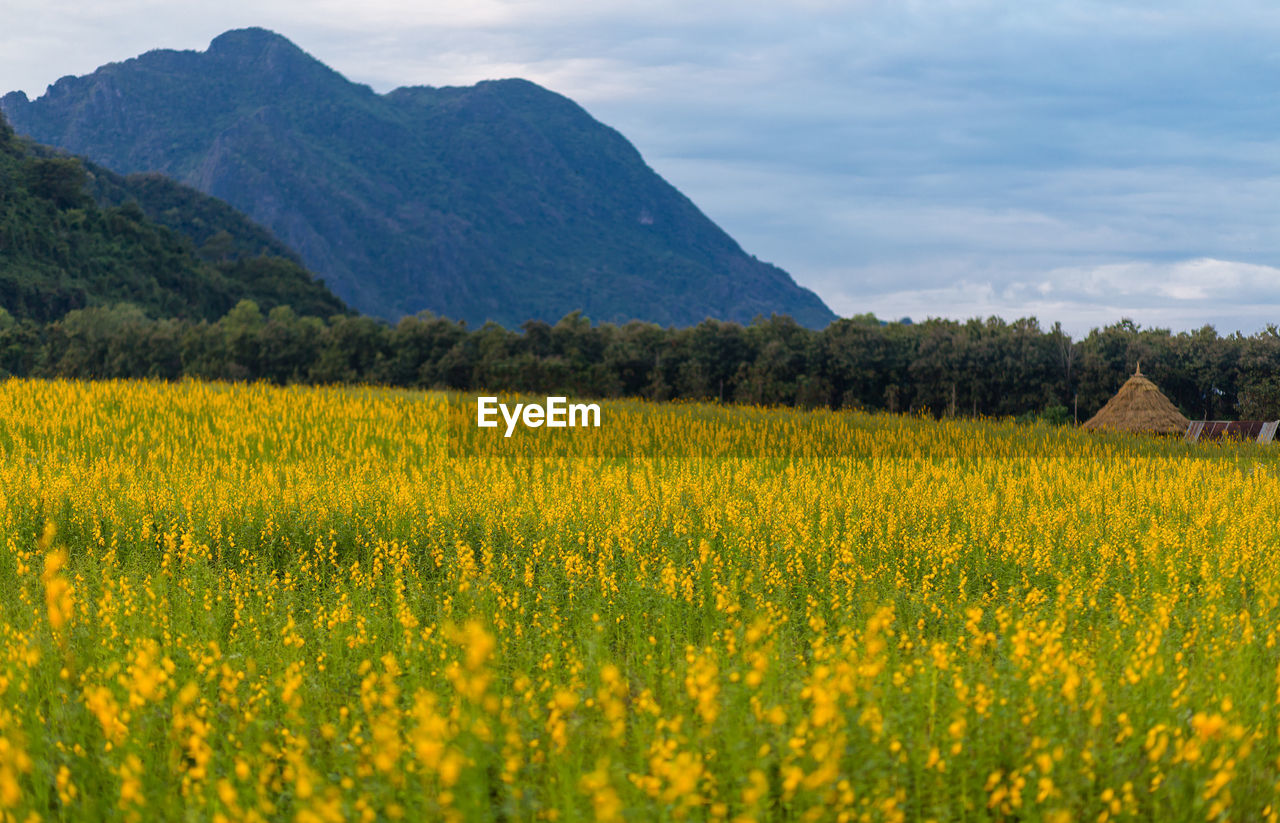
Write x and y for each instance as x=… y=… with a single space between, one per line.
x=1139 y=407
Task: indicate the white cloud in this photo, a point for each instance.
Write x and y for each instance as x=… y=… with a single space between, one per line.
x=1205 y=280
x=1181 y=295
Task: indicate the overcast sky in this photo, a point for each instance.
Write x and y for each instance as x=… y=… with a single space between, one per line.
x=1077 y=161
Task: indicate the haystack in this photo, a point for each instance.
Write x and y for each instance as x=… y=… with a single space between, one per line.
x=1139 y=407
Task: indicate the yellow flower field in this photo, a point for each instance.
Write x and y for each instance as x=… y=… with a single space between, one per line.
x=249 y=603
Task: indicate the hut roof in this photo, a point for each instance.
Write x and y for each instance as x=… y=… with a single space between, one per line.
x=1139 y=407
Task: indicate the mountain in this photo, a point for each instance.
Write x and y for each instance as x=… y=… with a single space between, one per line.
x=62 y=250
x=500 y=201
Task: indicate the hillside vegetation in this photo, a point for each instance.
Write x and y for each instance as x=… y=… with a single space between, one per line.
x=219 y=232
x=61 y=249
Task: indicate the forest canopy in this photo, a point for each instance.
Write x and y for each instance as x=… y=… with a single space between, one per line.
x=944 y=367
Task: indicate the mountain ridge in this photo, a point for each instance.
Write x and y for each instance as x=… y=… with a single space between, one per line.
x=499 y=201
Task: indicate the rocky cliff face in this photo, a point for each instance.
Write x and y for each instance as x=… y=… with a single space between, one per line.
x=501 y=201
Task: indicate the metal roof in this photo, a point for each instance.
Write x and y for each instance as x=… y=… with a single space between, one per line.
x=1215 y=431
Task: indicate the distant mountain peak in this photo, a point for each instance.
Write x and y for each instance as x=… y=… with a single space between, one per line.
x=501 y=201
x=262 y=50
x=249 y=42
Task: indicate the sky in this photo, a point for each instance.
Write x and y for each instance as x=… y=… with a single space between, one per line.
x=1071 y=160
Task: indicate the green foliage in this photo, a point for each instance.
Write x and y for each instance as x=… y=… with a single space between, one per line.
x=219 y=232
x=1056 y=415
x=59 y=180
x=61 y=251
x=502 y=201
x=979 y=368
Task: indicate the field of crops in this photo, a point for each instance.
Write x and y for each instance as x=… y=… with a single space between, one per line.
x=248 y=603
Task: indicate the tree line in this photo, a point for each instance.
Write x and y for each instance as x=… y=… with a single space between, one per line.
x=943 y=367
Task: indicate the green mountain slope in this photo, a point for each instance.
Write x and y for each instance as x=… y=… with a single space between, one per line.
x=60 y=250
x=501 y=201
x=218 y=230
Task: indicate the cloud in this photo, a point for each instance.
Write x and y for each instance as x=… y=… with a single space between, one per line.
x=1183 y=294
x=1201 y=280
